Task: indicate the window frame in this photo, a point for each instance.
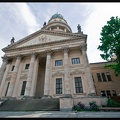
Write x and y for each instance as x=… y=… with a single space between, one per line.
x=57 y=62
x=13 y=67
x=99 y=80
x=75 y=60
x=103 y=77
x=108 y=76
x=60 y=88
x=78 y=85
x=27 y=66
x=23 y=89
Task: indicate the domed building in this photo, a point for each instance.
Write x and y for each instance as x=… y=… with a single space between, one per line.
x=52 y=62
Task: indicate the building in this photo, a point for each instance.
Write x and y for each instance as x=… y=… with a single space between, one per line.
x=51 y=62
x=105 y=81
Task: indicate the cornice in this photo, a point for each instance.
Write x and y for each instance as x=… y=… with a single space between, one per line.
x=45 y=31
x=45 y=44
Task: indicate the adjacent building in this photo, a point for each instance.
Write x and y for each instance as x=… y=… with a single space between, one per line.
x=105 y=81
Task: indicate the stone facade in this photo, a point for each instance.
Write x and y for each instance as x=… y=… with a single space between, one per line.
x=50 y=62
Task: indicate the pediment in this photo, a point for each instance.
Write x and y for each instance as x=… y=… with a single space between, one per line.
x=76 y=71
x=42 y=37
x=58 y=73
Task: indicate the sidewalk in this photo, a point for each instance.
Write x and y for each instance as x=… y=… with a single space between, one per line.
x=59 y=114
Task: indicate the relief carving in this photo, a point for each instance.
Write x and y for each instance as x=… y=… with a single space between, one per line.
x=23 y=76
x=8 y=78
x=58 y=73
x=77 y=72
x=43 y=38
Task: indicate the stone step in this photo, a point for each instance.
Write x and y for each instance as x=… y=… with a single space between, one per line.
x=30 y=104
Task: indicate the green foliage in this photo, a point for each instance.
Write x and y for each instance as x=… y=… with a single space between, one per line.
x=81 y=107
x=112 y=103
x=94 y=106
x=110 y=43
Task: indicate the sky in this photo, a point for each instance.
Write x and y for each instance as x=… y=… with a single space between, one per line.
x=21 y=19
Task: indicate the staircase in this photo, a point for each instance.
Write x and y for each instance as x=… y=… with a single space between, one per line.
x=49 y=104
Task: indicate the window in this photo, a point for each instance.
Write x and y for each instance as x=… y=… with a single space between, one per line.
x=75 y=61
x=114 y=93
x=99 y=77
x=103 y=76
x=108 y=93
x=23 y=88
x=78 y=85
x=93 y=78
x=12 y=68
x=27 y=66
x=103 y=93
x=58 y=85
x=108 y=76
x=58 y=63
x=7 y=88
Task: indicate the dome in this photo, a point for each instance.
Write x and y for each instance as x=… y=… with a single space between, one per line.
x=57 y=23
x=57 y=16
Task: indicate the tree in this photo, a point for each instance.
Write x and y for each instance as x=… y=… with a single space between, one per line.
x=110 y=43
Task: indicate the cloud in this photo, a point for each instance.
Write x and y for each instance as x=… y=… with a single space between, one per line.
x=26 y=14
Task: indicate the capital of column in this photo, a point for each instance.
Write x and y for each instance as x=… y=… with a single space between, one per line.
x=19 y=56
x=83 y=47
x=5 y=59
x=49 y=51
x=65 y=49
x=33 y=54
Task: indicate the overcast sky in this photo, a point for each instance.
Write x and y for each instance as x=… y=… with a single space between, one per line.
x=21 y=19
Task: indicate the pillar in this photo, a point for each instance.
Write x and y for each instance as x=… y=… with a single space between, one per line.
x=34 y=79
x=30 y=75
x=14 y=76
x=47 y=73
x=88 y=70
x=66 y=72
x=3 y=80
x=3 y=67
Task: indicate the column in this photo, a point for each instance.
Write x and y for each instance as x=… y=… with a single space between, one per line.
x=3 y=80
x=47 y=73
x=88 y=70
x=35 y=74
x=17 y=83
x=30 y=75
x=14 y=76
x=3 y=66
x=66 y=72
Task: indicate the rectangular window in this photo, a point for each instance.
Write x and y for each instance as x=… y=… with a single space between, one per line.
x=27 y=66
x=7 y=88
x=12 y=68
x=78 y=85
x=58 y=63
x=108 y=76
x=58 y=85
x=114 y=93
x=103 y=77
x=99 y=77
x=108 y=93
x=103 y=93
x=23 y=88
x=93 y=78
x=75 y=60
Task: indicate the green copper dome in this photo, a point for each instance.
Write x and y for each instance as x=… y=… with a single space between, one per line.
x=57 y=16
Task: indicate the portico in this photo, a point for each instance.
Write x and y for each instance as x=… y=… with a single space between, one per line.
x=50 y=62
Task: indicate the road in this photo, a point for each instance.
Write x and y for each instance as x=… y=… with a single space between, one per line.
x=59 y=114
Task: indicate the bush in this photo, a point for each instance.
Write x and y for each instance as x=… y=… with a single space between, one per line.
x=81 y=107
x=112 y=103
x=93 y=106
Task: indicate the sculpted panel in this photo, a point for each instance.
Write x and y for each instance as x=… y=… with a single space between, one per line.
x=43 y=39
